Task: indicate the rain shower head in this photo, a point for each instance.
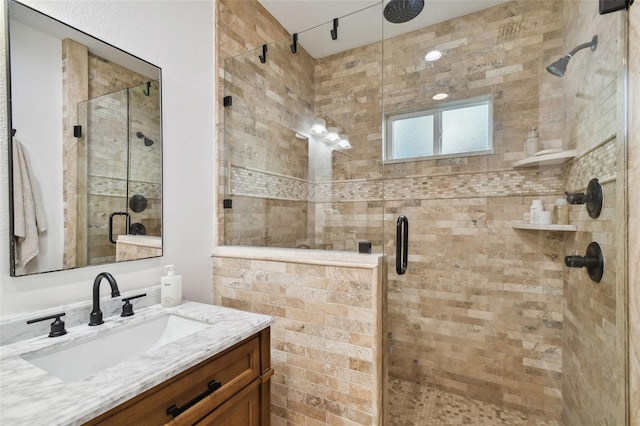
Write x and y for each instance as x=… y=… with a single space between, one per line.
x=399 y=11
x=559 y=67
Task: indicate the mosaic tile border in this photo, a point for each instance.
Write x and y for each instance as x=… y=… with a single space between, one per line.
x=502 y=183
x=113 y=187
x=599 y=162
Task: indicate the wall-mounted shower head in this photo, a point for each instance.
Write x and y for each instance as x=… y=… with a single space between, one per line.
x=399 y=11
x=147 y=141
x=559 y=67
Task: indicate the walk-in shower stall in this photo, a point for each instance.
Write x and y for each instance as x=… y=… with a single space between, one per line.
x=446 y=144
x=118 y=170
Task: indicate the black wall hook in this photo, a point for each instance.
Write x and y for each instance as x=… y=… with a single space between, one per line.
x=147 y=92
x=263 y=57
x=294 y=46
x=334 y=31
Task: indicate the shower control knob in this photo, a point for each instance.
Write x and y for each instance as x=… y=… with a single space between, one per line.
x=592 y=198
x=593 y=260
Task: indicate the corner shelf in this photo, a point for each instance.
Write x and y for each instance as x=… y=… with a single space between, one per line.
x=546 y=160
x=536 y=227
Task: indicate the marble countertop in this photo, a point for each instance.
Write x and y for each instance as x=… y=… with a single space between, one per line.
x=31 y=396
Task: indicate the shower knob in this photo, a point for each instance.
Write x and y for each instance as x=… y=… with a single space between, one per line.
x=593 y=260
x=592 y=198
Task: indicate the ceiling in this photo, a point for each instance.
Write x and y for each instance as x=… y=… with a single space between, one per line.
x=360 y=21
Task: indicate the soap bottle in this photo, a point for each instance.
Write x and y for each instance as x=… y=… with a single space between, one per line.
x=170 y=288
x=533 y=141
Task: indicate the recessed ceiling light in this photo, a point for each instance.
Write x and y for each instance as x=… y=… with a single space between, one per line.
x=434 y=55
x=440 y=96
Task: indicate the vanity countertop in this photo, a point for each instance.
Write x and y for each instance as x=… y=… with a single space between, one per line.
x=31 y=396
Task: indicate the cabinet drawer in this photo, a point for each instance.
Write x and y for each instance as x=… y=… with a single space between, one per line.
x=243 y=409
x=234 y=368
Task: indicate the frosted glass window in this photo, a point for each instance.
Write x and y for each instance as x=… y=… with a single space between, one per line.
x=413 y=137
x=465 y=129
x=457 y=128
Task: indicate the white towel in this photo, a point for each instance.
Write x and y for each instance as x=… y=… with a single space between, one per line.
x=28 y=209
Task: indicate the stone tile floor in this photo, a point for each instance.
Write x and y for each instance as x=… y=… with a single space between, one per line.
x=411 y=404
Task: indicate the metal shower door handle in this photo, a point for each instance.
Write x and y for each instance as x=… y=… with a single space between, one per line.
x=111 y=224
x=402 y=244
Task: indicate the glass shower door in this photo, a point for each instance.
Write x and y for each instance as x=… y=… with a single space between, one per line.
x=488 y=325
x=102 y=176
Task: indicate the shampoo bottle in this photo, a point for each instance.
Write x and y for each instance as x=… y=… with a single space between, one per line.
x=534 y=211
x=170 y=288
x=562 y=212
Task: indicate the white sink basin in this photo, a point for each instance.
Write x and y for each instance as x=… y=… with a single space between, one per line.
x=85 y=358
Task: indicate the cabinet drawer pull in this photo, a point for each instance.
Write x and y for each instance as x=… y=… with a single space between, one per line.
x=175 y=411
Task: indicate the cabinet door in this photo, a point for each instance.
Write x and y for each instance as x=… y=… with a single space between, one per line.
x=243 y=409
x=234 y=368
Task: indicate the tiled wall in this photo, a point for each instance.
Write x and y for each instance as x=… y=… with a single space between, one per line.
x=75 y=89
x=634 y=217
x=326 y=342
x=264 y=156
x=595 y=329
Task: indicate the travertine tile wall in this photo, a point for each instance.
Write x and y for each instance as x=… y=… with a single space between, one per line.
x=264 y=157
x=241 y=27
x=75 y=89
x=594 y=339
x=634 y=216
x=326 y=342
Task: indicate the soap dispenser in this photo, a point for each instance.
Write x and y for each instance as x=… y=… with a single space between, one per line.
x=533 y=142
x=170 y=288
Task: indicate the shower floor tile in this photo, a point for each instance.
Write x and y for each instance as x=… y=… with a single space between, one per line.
x=411 y=404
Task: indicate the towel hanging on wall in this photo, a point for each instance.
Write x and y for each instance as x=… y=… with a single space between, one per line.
x=28 y=208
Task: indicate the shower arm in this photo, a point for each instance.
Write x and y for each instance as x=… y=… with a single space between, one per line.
x=592 y=44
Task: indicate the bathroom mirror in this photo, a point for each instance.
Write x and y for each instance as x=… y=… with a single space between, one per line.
x=86 y=153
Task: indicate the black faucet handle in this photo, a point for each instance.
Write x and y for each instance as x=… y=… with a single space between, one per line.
x=57 y=326
x=127 y=308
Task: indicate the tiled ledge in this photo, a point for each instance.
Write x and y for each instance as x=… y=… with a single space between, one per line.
x=310 y=257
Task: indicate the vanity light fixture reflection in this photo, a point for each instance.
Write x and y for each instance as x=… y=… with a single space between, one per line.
x=333 y=135
x=343 y=143
x=318 y=127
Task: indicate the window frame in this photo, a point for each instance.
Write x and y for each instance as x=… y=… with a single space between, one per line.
x=436 y=111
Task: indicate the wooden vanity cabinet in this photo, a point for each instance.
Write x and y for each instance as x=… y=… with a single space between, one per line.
x=238 y=380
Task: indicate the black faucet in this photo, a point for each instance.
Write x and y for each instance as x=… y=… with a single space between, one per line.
x=95 y=318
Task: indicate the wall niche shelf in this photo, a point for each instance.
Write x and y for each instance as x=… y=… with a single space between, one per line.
x=536 y=227
x=545 y=160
